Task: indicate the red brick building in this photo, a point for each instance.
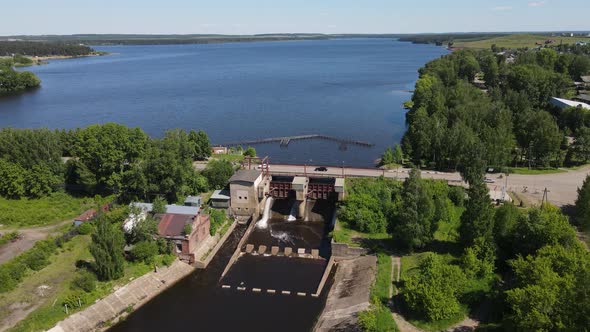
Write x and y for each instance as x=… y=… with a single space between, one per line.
x=172 y=227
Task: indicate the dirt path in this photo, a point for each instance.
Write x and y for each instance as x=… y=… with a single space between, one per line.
x=28 y=238
x=402 y=323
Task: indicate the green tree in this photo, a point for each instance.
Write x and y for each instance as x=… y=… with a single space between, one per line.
x=398 y=154
x=107 y=249
x=250 y=152
x=581 y=145
x=415 y=226
x=583 y=204
x=433 y=293
x=218 y=173
x=551 y=291
x=541 y=227
x=387 y=157
x=145 y=251
x=159 y=205
x=478 y=219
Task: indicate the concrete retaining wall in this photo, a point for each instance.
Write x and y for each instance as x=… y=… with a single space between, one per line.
x=238 y=250
x=343 y=250
x=204 y=263
x=134 y=294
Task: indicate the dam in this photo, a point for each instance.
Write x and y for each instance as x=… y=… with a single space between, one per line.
x=267 y=275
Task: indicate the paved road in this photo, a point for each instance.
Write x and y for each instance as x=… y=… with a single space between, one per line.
x=562 y=186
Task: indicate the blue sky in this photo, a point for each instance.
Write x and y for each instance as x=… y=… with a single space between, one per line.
x=267 y=16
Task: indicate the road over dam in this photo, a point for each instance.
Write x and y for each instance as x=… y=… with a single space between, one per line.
x=562 y=187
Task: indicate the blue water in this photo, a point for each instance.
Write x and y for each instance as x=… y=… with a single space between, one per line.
x=350 y=88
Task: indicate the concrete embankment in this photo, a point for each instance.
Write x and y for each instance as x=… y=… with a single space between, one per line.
x=203 y=263
x=349 y=295
x=132 y=295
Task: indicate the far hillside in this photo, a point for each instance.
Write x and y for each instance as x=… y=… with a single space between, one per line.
x=518 y=41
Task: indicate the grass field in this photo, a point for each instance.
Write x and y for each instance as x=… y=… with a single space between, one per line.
x=43 y=211
x=58 y=276
x=344 y=234
x=526 y=171
x=516 y=41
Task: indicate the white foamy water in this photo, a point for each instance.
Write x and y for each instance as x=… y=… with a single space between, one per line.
x=293 y=213
x=263 y=222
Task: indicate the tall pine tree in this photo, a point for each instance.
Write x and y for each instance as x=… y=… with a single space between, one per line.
x=107 y=249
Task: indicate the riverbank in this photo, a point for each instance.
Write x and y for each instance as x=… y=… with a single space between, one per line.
x=124 y=300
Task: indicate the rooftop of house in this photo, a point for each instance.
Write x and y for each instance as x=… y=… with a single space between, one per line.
x=87 y=215
x=563 y=103
x=220 y=194
x=172 y=225
x=170 y=208
x=585 y=79
x=245 y=175
x=193 y=199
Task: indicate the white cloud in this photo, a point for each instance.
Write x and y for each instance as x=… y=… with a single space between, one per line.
x=537 y=3
x=502 y=8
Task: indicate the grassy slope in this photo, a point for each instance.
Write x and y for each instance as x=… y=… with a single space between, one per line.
x=58 y=276
x=344 y=234
x=516 y=41
x=43 y=211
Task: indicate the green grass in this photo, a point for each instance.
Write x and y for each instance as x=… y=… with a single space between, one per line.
x=379 y=316
x=448 y=230
x=516 y=41
x=344 y=234
x=383 y=279
x=58 y=276
x=43 y=211
x=534 y=171
x=7 y=237
x=441 y=325
x=228 y=157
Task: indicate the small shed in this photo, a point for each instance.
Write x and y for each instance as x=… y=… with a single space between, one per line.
x=193 y=201
x=219 y=150
x=220 y=199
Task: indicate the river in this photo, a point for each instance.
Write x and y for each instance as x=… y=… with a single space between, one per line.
x=347 y=88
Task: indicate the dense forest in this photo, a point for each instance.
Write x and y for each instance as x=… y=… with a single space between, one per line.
x=12 y=81
x=30 y=48
x=510 y=121
x=106 y=159
x=524 y=266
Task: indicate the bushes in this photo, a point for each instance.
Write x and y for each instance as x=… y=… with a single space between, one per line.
x=218 y=218
x=434 y=292
x=85 y=229
x=145 y=251
x=85 y=281
x=35 y=259
x=46 y=210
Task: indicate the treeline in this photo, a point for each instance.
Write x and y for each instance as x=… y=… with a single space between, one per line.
x=106 y=159
x=30 y=48
x=440 y=38
x=527 y=263
x=453 y=123
x=12 y=81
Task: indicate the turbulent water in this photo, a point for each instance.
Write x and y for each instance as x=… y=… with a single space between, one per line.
x=348 y=88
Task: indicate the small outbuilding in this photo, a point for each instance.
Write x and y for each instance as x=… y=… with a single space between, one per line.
x=193 y=201
x=85 y=217
x=565 y=103
x=220 y=199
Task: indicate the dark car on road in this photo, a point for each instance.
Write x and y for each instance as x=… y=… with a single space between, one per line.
x=321 y=169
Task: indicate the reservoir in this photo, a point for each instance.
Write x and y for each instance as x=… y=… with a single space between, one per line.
x=347 y=88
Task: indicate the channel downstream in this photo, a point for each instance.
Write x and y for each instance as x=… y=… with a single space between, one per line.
x=198 y=302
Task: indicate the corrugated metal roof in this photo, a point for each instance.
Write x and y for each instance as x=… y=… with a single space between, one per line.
x=173 y=224
x=563 y=103
x=220 y=195
x=170 y=208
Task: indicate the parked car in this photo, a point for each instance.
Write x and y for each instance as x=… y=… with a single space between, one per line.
x=488 y=180
x=321 y=169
